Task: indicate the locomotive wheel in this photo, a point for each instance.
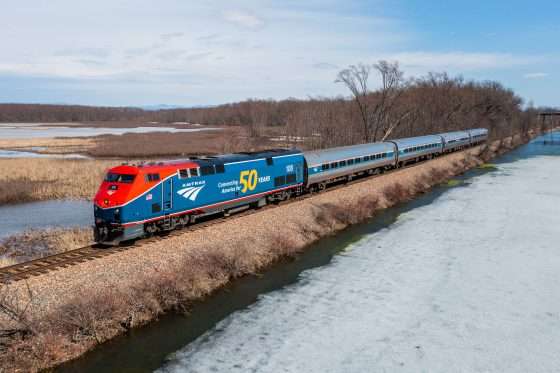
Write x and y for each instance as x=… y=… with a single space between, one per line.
x=183 y=221
x=150 y=230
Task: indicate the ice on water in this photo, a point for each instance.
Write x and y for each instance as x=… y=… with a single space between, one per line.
x=468 y=283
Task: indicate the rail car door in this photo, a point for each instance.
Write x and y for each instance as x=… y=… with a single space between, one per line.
x=299 y=172
x=167 y=194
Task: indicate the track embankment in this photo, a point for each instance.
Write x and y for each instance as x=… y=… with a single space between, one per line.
x=57 y=316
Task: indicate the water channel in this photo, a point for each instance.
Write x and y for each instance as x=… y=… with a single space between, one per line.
x=45 y=214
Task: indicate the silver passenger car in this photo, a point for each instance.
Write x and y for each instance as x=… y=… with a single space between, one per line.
x=417 y=147
x=478 y=135
x=454 y=140
x=328 y=164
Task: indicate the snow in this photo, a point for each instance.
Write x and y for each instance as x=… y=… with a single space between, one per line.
x=468 y=283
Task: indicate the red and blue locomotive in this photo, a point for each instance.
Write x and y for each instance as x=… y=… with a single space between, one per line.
x=135 y=201
x=138 y=200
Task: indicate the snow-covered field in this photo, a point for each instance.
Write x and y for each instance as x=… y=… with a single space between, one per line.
x=469 y=283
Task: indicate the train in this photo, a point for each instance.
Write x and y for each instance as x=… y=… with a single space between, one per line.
x=135 y=201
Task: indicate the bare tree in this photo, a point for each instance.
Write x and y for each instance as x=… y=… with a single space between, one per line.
x=375 y=107
x=392 y=79
x=355 y=78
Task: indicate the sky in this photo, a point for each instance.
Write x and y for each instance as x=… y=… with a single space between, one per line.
x=192 y=53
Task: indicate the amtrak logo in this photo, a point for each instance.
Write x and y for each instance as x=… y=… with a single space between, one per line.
x=190 y=192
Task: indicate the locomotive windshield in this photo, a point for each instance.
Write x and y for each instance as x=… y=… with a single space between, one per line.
x=119 y=178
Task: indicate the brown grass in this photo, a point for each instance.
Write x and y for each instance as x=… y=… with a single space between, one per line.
x=162 y=144
x=52 y=145
x=149 y=145
x=33 y=244
x=29 y=179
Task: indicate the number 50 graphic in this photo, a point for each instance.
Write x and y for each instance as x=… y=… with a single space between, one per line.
x=248 y=179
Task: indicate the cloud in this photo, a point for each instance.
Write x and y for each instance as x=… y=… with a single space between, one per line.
x=243 y=19
x=172 y=35
x=142 y=51
x=197 y=56
x=208 y=37
x=535 y=75
x=171 y=54
x=325 y=66
x=83 y=52
x=90 y=62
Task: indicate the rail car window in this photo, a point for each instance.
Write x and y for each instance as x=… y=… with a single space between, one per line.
x=366 y=158
x=325 y=166
x=220 y=169
x=119 y=178
x=279 y=180
x=269 y=161
x=207 y=170
x=350 y=161
x=357 y=160
x=151 y=178
x=342 y=163
x=290 y=178
x=193 y=172
x=183 y=174
x=334 y=165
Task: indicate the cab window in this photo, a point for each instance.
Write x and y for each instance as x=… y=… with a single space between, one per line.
x=119 y=178
x=151 y=178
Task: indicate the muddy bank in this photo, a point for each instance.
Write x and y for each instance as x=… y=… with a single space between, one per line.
x=74 y=309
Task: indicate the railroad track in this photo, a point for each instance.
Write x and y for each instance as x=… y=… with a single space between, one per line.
x=37 y=267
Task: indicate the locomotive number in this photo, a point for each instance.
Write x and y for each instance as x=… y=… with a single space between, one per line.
x=248 y=179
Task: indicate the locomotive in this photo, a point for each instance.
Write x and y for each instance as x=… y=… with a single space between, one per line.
x=135 y=201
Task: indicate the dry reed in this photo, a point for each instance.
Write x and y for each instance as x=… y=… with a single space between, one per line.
x=30 y=179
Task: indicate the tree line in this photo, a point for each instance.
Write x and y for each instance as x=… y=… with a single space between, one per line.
x=399 y=107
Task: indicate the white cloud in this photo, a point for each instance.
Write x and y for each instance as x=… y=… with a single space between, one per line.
x=535 y=75
x=172 y=35
x=325 y=66
x=243 y=19
x=272 y=48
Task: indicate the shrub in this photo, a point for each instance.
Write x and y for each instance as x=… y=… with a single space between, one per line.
x=395 y=193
